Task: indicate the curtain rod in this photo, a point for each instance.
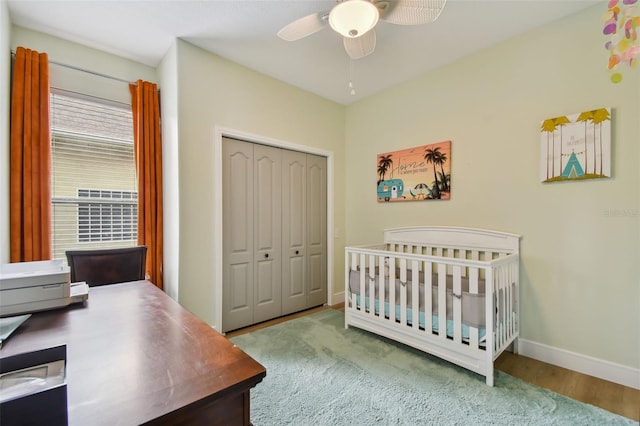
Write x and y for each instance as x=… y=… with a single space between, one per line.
x=75 y=68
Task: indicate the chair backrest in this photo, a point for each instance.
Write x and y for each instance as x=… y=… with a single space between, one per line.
x=107 y=266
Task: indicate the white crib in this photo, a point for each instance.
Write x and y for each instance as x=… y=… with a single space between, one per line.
x=473 y=272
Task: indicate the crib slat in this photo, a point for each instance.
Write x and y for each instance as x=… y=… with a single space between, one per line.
x=442 y=300
x=473 y=288
x=498 y=317
x=350 y=296
x=363 y=282
x=382 y=277
x=513 y=278
x=382 y=284
x=428 y=302
x=457 y=304
x=403 y=291
x=489 y=300
x=513 y=283
x=392 y=289
x=505 y=311
x=415 y=294
x=508 y=309
x=371 y=280
x=512 y=300
x=507 y=304
x=502 y=306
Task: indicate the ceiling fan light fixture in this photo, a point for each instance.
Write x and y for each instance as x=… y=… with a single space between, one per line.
x=353 y=18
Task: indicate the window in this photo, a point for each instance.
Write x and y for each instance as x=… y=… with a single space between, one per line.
x=107 y=215
x=93 y=176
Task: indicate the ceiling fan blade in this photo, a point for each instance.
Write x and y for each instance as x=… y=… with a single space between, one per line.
x=362 y=46
x=410 y=12
x=304 y=26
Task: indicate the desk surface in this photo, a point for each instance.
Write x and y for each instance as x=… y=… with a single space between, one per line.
x=134 y=355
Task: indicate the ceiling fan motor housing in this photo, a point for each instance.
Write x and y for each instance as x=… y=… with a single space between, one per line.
x=353 y=18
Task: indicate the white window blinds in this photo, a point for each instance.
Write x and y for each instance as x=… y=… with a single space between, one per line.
x=93 y=174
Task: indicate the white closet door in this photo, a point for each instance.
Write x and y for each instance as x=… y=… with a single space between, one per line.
x=316 y=230
x=274 y=232
x=294 y=268
x=267 y=232
x=238 y=244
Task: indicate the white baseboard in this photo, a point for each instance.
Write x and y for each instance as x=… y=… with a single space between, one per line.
x=584 y=364
x=336 y=298
x=606 y=370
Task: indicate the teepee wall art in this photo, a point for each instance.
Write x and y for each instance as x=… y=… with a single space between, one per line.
x=576 y=146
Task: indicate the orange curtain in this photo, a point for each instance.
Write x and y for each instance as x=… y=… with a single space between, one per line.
x=145 y=104
x=30 y=158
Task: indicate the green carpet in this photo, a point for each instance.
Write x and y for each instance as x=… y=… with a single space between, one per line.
x=319 y=373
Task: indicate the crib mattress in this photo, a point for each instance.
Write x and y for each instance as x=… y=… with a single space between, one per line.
x=435 y=321
x=473 y=304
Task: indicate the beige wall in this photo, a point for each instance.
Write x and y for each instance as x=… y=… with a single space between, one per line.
x=214 y=92
x=5 y=73
x=579 y=267
x=168 y=81
x=579 y=257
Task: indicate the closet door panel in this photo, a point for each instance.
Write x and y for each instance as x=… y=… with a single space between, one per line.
x=294 y=208
x=315 y=280
x=267 y=304
x=238 y=204
x=316 y=230
x=239 y=288
x=294 y=270
x=268 y=232
x=296 y=288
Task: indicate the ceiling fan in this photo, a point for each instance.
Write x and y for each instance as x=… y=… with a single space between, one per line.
x=355 y=21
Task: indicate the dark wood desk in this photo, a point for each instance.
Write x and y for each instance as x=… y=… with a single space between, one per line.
x=136 y=356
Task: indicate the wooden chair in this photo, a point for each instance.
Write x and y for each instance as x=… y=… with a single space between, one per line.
x=107 y=266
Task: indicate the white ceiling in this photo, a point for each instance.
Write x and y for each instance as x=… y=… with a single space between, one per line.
x=244 y=31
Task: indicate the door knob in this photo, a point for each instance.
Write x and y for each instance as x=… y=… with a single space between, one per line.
x=266 y=255
x=297 y=251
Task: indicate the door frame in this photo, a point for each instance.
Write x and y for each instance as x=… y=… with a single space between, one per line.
x=221 y=132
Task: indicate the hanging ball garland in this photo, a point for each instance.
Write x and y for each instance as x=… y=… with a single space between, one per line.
x=616 y=77
x=624 y=46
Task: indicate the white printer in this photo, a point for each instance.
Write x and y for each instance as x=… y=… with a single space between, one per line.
x=36 y=286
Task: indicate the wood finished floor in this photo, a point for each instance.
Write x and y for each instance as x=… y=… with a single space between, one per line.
x=612 y=397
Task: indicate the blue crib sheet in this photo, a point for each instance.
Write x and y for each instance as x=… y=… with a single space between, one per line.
x=434 y=319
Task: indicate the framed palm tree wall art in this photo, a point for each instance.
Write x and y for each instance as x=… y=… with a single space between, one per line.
x=415 y=174
x=576 y=146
